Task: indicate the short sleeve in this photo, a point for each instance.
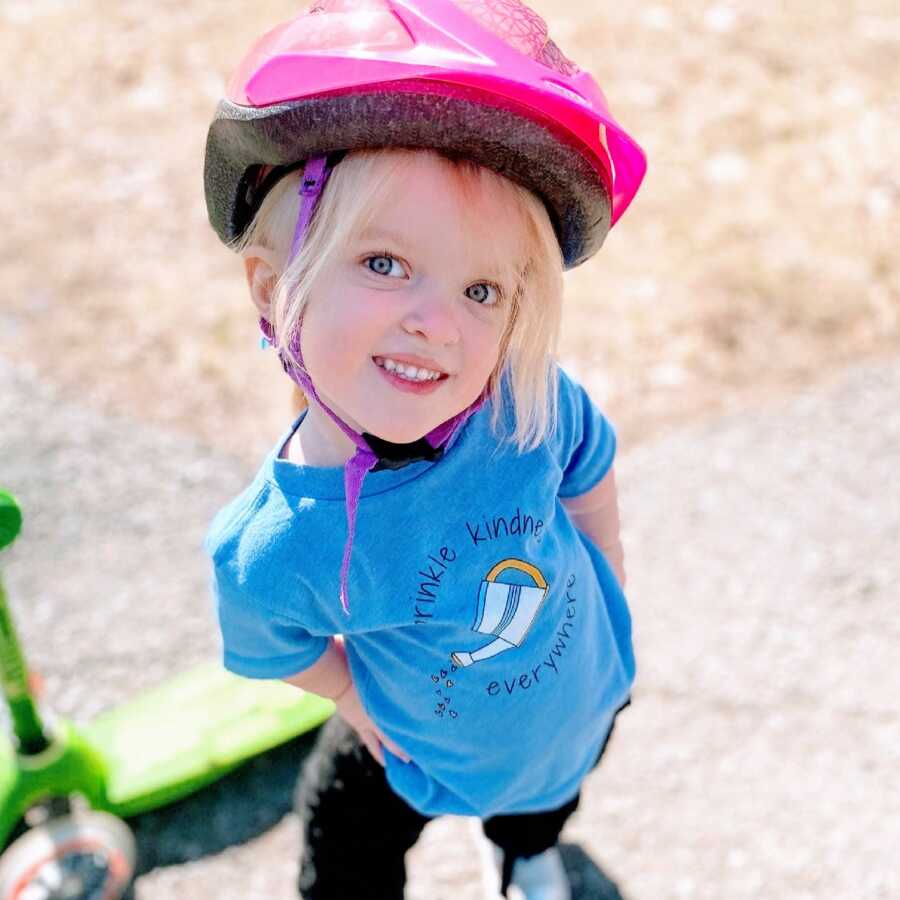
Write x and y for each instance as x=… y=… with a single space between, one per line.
x=257 y=642
x=585 y=443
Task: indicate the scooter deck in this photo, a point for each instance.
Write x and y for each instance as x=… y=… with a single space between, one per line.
x=176 y=738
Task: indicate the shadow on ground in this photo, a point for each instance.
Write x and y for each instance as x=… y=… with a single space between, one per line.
x=233 y=810
x=587 y=880
x=252 y=799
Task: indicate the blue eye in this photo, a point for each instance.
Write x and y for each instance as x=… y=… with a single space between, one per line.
x=482 y=293
x=381 y=263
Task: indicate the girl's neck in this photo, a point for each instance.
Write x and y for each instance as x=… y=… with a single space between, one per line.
x=319 y=442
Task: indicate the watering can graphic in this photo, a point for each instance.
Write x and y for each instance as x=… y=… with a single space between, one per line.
x=505 y=610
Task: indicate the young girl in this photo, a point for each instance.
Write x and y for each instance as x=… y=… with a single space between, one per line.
x=434 y=543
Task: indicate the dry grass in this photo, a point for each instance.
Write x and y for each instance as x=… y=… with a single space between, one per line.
x=759 y=254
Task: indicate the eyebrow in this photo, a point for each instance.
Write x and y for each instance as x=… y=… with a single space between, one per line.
x=370 y=234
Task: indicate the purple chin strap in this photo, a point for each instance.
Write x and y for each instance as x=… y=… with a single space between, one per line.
x=371 y=452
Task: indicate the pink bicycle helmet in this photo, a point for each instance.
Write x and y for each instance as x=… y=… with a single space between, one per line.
x=473 y=78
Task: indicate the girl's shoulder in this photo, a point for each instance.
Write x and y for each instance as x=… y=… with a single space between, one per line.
x=584 y=440
x=231 y=521
x=568 y=387
x=252 y=522
x=571 y=405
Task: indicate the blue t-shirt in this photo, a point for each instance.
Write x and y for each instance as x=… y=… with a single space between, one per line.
x=486 y=636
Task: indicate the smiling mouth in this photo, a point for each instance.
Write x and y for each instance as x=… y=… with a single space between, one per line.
x=408 y=372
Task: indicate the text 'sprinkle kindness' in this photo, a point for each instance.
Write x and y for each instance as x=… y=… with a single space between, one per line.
x=479 y=531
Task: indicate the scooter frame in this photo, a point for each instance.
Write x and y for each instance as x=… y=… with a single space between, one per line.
x=157 y=748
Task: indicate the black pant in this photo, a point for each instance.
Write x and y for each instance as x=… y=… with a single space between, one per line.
x=356 y=830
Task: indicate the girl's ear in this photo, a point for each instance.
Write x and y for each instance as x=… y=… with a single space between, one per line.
x=261 y=279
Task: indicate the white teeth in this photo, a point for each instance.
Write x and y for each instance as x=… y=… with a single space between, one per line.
x=412 y=373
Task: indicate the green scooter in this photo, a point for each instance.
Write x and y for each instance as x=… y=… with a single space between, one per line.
x=70 y=789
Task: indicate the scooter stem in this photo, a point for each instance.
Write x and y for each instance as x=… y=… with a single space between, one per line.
x=27 y=726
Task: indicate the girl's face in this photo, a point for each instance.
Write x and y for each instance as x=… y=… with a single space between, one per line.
x=402 y=329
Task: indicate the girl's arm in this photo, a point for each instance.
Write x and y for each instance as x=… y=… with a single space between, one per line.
x=596 y=513
x=330 y=677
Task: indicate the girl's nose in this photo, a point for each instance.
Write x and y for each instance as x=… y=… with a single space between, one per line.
x=432 y=317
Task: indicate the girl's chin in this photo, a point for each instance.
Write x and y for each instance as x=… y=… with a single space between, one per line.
x=386 y=429
x=395 y=436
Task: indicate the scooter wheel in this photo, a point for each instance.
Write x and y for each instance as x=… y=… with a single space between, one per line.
x=85 y=856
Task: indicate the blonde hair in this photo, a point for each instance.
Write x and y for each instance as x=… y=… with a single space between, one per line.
x=355 y=191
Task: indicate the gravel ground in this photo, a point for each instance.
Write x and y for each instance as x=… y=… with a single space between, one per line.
x=760 y=757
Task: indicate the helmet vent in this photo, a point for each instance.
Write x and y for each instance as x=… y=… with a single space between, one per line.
x=346 y=25
x=522 y=28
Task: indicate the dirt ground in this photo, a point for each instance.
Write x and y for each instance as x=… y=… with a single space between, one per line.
x=759 y=759
x=759 y=255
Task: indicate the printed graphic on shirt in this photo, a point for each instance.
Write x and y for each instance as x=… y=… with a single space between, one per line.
x=502 y=607
x=444 y=703
x=553 y=661
x=547 y=662
x=506 y=609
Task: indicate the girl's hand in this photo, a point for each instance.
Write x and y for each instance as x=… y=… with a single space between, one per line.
x=351 y=710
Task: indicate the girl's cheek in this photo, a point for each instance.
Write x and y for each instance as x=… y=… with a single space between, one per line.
x=491 y=325
x=491 y=320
